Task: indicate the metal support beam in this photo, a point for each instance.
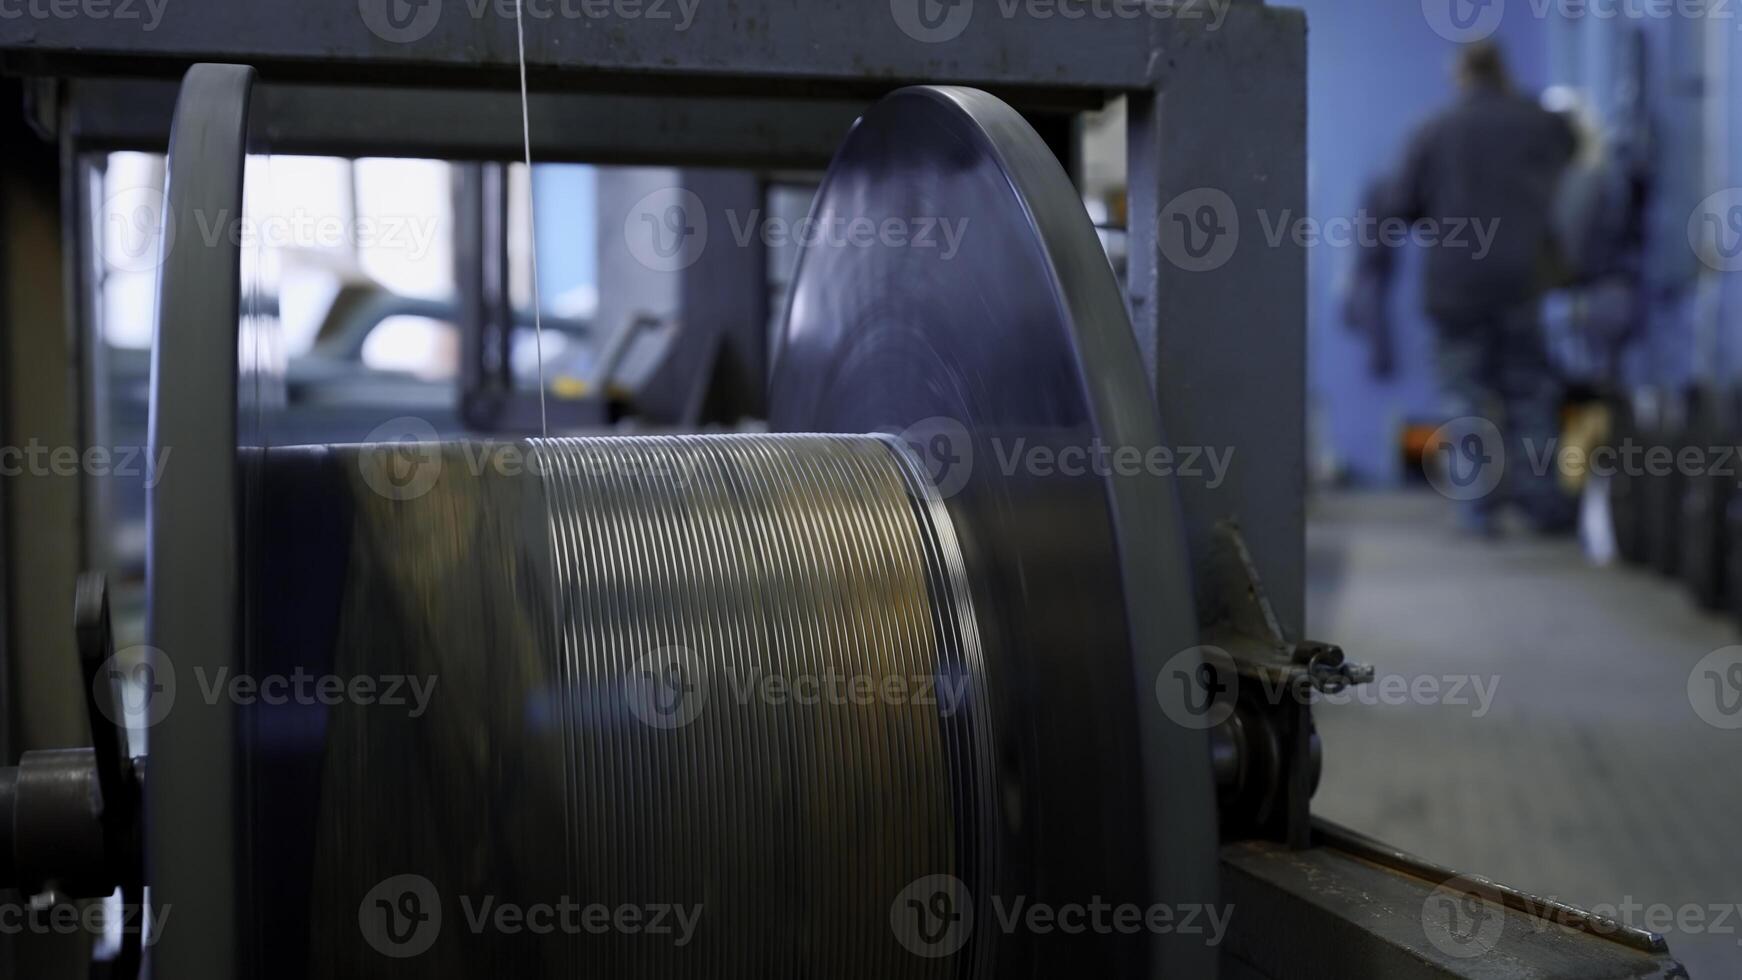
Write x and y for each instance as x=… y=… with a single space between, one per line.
x=649 y=44
x=39 y=521
x=40 y=503
x=720 y=372
x=1351 y=906
x=1216 y=159
x=454 y=124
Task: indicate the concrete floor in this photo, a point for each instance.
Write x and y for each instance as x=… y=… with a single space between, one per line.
x=1589 y=778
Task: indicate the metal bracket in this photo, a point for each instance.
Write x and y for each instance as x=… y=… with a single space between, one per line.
x=70 y=823
x=1266 y=753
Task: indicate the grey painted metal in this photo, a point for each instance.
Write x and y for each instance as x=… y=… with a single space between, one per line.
x=854 y=43
x=1222 y=324
x=720 y=372
x=455 y=124
x=192 y=563
x=1352 y=907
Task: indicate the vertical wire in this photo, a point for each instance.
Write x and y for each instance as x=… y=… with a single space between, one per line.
x=563 y=664
x=531 y=218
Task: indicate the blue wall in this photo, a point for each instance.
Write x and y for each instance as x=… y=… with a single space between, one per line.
x=1586 y=55
x=1727 y=145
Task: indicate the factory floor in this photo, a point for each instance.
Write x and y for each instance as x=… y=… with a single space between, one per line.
x=1560 y=753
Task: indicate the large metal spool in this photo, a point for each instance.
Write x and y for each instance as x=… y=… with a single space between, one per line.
x=595 y=614
x=734 y=676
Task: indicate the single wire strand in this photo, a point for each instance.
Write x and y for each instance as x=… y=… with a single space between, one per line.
x=531 y=218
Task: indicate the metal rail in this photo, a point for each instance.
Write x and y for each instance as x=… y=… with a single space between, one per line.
x=851 y=43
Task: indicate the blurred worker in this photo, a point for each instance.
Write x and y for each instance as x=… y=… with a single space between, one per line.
x=1490 y=164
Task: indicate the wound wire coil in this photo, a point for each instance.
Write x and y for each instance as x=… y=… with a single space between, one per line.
x=769 y=656
x=738 y=676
